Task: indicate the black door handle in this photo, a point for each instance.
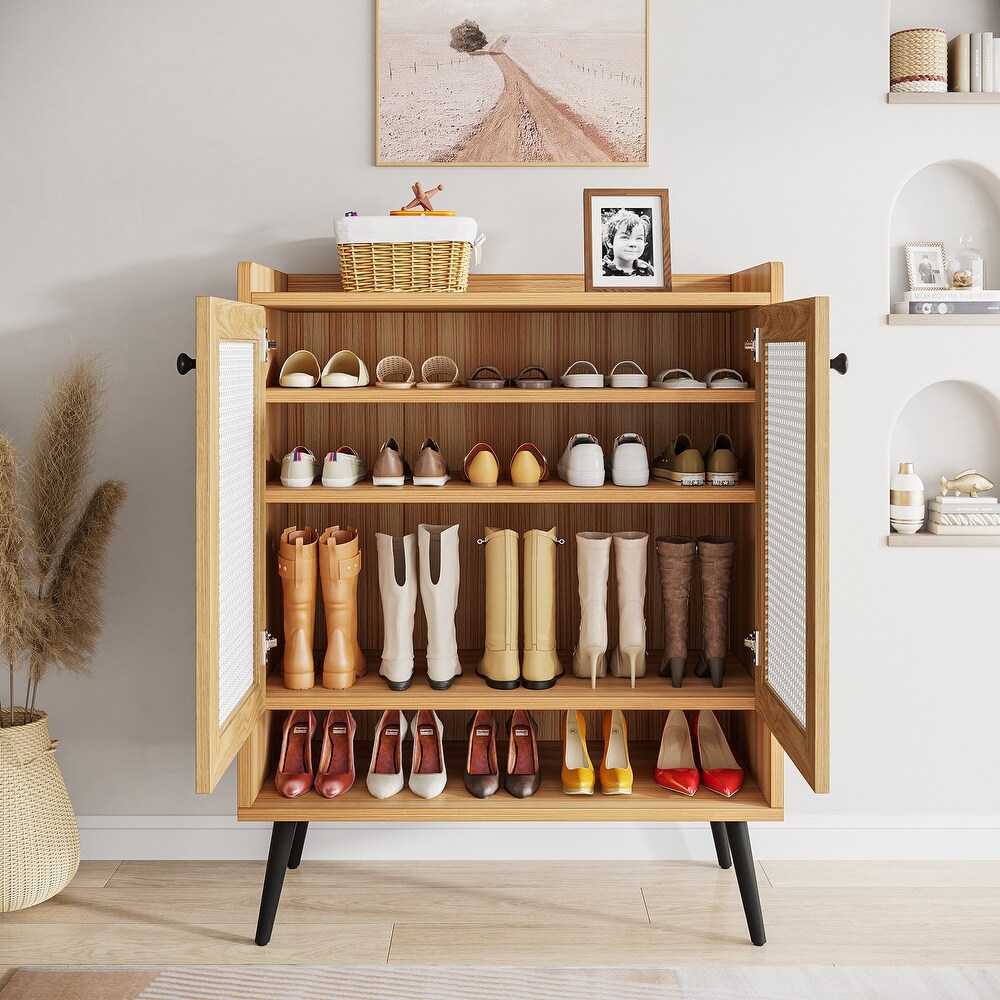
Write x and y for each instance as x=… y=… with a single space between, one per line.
x=185 y=364
x=839 y=363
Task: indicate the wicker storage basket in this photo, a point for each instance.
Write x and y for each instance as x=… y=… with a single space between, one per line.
x=39 y=838
x=918 y=61
x=409 y=254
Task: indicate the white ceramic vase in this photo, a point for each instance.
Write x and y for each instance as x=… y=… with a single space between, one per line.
x=906 y=501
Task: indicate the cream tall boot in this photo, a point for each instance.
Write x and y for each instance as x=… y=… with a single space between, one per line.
x=339 y=566
x=629 y=656
x=439 y=571
x=397 y=583
x=541 y=666
x=593 y=563
x=297 y=569
x=499 y=666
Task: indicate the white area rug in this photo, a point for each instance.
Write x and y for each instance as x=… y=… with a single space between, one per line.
x=826 y=982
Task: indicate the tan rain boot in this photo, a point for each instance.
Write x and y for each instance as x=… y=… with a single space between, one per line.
x=629 y=656
x=675 y=556
x=437 y=545
x=339 y=566
x=715 y=555
x=541 y=666
x=397 y=584
x=297 y=569
x=593 y=563
x=499 y=666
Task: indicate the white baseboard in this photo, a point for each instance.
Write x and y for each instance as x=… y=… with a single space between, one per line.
x=807 y=838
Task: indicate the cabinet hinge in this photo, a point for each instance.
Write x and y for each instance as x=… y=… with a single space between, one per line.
x=752 y=642
x=267 y=643
x=266 y=345
x=753 y=345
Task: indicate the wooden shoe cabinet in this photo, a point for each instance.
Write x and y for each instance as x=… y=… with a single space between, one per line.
x=775 y=695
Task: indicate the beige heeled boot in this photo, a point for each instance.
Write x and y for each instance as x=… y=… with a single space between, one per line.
x=593 y=563
x=297 y=569
x=339 y=566
x=540 y=666
x=439 y=571
x=397 y=584
x=499 y=665
x=629 y=656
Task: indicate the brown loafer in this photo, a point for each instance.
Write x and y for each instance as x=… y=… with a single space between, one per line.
x=523 y=773
x=390 y=468
x=482 y=776
x=335 y=773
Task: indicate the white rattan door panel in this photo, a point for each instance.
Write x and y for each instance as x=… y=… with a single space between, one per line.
x=792 y=673
x=230 y=672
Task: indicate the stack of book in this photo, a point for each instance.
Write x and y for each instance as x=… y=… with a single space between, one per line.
x=963 y=516
x=974 y=63
x=950 y=301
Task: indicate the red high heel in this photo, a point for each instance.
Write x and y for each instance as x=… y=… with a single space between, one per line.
x=294 y=776
x=719 y=770
x=675 y=767
x=335 y=773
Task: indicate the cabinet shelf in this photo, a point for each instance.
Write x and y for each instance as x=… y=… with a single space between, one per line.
x=647 y=803
x=553 y=491
x=491 y=397
x=939 y=98
x=471 y=693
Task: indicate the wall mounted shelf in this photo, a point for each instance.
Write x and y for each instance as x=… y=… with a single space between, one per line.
x=987 y=319
x=925 y=540
x=948 y=98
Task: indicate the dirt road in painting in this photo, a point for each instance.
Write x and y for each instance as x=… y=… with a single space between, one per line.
x=528 y=125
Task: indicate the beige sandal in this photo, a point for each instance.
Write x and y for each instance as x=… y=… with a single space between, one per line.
x=439 y=372
x=300 y=371
x=394 y=372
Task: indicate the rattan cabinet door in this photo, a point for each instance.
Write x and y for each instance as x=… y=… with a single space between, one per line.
x=229 y=534
x=792 y=686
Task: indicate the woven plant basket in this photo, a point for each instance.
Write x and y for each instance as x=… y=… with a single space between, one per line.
x=918 y=61
x=39 y=838
x=405 y=267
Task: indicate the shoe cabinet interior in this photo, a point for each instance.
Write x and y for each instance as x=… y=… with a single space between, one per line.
x=772 y=700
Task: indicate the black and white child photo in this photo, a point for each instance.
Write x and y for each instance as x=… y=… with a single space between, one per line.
x=625 y=237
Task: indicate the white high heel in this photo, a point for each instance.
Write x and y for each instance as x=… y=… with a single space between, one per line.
x=593 y=564
x=629 y=656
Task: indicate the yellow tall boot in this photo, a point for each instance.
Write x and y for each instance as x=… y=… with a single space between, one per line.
x=339 y=566
x=541 y=665
x=499 y=664
x=297 y=569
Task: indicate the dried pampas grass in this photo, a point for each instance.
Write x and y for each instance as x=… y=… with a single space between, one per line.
x=53 y=545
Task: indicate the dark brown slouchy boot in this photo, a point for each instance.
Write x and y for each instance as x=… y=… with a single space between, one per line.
x=715 y=554
x=675 y=557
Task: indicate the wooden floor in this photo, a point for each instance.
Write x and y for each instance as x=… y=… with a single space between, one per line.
x=533 y=913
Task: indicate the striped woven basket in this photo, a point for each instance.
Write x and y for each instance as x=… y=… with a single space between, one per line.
x=440 y=266
x=918 y=61
x=39 y=838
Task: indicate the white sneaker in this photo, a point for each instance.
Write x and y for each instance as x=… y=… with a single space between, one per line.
x=343 y=467
x=298 y=468
x=582 y=463
x=629 y=461
x=428 y=775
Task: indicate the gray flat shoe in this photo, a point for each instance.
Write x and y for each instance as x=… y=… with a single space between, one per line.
x=533 y=377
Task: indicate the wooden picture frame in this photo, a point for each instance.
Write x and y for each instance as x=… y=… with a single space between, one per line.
x=914 y=279
x=605 y=212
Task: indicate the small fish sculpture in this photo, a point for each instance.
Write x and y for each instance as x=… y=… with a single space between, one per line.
x=968 y=481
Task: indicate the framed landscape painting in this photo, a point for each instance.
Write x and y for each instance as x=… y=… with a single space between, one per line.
x=511 y=82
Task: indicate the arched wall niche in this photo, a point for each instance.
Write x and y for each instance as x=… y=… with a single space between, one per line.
x=938 y=204
x=945 y=428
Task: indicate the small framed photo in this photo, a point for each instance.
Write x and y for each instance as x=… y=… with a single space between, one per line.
x=925 y=266
x=626 y=240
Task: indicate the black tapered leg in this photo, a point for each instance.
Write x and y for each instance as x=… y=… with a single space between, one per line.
x=298 y=842
x=282 y=835
x=722 y=845
x=746 y=875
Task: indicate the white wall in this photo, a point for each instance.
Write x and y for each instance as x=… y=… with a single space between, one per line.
x=147 y=147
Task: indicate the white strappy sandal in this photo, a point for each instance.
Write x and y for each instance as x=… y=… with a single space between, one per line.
x=632 y=377
x=725 y=378
x=585 y=377
x=676 y=378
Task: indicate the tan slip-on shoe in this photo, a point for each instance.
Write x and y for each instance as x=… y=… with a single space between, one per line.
x=481 y=466
x=680 y=463
x=430 y=468
x=390 y=467
x=528 y=466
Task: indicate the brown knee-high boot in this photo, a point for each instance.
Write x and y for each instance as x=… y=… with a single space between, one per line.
x=715 y=555
x=675 y=557
x=339 y=566
x=297 y=569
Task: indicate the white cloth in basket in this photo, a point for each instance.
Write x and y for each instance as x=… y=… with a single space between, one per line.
x=405 y=229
